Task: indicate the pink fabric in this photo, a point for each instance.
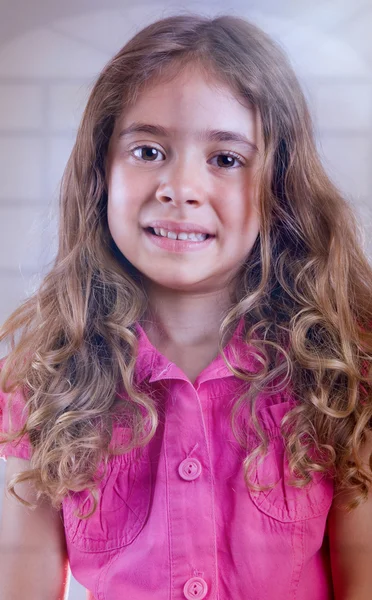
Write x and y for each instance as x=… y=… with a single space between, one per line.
x=178 y=522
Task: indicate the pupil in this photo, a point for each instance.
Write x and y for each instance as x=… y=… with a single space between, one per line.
x=226 y=160
x=149 y=152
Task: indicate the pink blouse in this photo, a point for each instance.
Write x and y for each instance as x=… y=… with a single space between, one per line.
x=178 y=521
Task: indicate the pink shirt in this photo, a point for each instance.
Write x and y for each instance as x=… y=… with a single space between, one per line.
x=179 y=522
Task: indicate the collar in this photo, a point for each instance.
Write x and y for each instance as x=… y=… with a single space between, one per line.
x=155 y=366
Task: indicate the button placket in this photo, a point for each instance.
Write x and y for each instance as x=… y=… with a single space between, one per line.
x=192 y=529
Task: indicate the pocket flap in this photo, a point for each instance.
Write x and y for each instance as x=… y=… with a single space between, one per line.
x=286 y=502
x=122 y=507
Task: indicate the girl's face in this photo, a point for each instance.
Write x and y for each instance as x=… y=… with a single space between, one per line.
x=183 y=160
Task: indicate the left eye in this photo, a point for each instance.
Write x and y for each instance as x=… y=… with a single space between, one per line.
x=150 y=154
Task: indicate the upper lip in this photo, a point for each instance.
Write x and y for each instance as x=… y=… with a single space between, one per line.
x=178 y=227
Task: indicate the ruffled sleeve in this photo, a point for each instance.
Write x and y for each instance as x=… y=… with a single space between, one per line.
x=21 y=448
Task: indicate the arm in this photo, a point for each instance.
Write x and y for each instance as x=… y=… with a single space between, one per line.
x=350 y=537
x=34 y=563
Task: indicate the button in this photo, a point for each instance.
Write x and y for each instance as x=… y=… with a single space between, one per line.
x=190 y=469
x=195 y=588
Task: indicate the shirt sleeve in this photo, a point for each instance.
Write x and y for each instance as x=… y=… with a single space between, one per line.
x=20 y=448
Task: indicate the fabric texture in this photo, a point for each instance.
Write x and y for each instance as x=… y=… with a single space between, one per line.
x=178 y=521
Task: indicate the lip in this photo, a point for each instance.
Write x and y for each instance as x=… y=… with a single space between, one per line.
x=177 y=246
x=177 y=227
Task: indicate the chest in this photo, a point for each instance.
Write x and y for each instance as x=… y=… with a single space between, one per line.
x=179 y=521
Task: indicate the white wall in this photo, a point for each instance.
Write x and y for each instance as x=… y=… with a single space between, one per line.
x=50 y=54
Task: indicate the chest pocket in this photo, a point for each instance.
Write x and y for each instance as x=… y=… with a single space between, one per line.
x=285 y=502
x=122 y=507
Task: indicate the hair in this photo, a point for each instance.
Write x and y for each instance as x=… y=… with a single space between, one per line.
x=304 y=291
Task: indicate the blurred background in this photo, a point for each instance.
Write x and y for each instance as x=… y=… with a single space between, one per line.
x=50 y=55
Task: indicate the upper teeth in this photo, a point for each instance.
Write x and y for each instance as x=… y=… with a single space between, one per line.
x=181 y=235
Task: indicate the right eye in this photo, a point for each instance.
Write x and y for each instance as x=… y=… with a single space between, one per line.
x=146 y=153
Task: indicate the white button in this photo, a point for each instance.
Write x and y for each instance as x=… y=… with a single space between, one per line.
x=195 y=588
x=190 y=469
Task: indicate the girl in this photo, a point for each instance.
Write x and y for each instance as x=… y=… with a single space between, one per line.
x=190 y=394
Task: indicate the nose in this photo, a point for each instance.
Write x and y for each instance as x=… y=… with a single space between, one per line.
x=181 y=184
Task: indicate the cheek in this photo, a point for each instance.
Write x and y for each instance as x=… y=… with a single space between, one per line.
x=242 y=213
x=241 y=222
x=117 y=187
x=112 y=221
x=250 y=213
x=123 y=199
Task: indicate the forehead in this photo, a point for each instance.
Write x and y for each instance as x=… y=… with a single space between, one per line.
x=190 y=82
x=191 y=99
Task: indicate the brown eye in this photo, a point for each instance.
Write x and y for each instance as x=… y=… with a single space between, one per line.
x=151 y=153
x=228 y=160
x=146 y=153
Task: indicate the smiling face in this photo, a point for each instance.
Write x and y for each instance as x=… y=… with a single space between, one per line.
x=171 y=170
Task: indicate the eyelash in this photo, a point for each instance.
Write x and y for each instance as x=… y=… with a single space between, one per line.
x=233 y=154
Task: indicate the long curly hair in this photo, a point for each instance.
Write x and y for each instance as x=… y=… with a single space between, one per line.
x=304 y=292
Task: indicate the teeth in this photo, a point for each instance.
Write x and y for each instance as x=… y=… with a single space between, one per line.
x=182 y=235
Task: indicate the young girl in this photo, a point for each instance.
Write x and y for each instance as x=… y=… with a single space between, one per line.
x=187 y=408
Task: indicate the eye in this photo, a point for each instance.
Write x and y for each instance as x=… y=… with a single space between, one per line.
x=228 y=160
x=146 y=153
x=149 y=154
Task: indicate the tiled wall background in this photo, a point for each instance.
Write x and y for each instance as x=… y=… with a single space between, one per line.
x=50 y=55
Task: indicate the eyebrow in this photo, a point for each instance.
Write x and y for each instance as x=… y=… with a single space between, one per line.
x=205 y=135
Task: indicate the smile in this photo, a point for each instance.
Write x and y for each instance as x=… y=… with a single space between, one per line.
x=180 y=235
x=181 y=241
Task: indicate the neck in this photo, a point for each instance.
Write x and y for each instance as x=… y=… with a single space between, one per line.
x=185 y=320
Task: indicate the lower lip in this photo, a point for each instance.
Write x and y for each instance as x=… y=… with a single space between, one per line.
x=177 y=245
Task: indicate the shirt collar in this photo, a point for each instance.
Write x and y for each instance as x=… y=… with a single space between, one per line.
x=155 y=366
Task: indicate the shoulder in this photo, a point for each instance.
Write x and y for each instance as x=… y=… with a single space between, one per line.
x=13 y=416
